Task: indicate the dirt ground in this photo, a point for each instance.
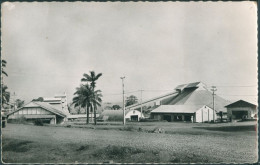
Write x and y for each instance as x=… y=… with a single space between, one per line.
x=134 y=143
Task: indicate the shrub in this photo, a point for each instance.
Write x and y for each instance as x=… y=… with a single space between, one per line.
x=149 y=120
x=20 y=120
x=128 y=128
x=38 y=122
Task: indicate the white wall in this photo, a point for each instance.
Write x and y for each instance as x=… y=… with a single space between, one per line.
x=205 y=114
x=133 y=112
x=29 y=111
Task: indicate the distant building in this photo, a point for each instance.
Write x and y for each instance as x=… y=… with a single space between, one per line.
x=117 y=115
x=189 y=113
x=52 y=110
x=241 y=110
x=82 y=117
x=59 y=102
x=38 y=110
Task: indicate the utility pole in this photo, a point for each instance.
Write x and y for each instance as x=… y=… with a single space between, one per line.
x=141 y=103
x=14 y=100
x=123 y=99
x=213 y=89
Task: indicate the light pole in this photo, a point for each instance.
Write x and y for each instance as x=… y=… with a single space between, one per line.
x=141 y=103
x=123 y=99
x=213 y=94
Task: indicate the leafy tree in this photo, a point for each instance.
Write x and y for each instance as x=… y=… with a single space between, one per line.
x=39 y=99
x=5 y=95
x=3 y=63
x=116 y=107
x=19 y=103
x=92 y=78
x=131 y=100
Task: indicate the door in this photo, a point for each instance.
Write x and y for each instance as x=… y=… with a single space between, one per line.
x=167 y=117
x=134 y=118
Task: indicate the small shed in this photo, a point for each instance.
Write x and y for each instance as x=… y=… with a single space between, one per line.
x=241 y=110
x=117 y=115
x=186 y=113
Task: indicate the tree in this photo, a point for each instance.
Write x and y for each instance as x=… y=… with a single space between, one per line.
x=131 y=100
x=92 y=78
x=83 y=98
x=5 y=95
x=3 y=63
x=39 y=99
x=19 y=103
x=116 y=107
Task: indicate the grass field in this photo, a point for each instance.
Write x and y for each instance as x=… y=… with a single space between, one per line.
x=134 y=143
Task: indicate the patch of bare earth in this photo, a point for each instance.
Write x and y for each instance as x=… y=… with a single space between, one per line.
x=32 y=144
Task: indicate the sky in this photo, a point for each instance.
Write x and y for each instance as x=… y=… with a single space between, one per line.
x=48 y=47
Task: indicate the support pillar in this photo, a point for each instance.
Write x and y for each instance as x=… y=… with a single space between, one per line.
x=182 y=117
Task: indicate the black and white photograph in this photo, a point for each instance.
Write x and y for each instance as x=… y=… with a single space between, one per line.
x=129 y=82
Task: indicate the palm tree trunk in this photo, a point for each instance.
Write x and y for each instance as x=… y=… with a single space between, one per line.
x=87 y=114
x=91 y=113
x=95 y=116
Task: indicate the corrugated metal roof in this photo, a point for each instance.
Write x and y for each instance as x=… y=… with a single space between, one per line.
x=115 y=112
x=189 y=85
x=240 y=103
x=43 y=105
x=192 y=85
x=191 y=96
x=51 y=99
x=81 y=116
x=50 y=108
x=177 y=108
x=39 y=116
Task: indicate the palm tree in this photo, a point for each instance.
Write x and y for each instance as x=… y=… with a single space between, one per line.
x=83 y=98
x=92 y=78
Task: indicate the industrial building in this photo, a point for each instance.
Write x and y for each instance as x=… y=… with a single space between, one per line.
x=52 y=110
x=188 y=102
x=38 y=110
x=241 y=110
x=117 y=115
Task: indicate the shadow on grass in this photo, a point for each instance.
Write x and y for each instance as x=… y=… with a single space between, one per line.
x=230 y=128
x=17 y=146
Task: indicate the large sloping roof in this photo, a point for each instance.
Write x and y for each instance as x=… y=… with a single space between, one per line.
x=241 y=103
x=43 y=105
x=118 y=113
x=177 y=109
x=195 y=96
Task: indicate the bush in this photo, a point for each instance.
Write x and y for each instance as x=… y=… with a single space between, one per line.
x=38 y=122
x=128 y=128
x=20 y=120
x=149 y=120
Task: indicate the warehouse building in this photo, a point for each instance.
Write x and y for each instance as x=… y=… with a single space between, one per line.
x=117 y=115
x=38 y=110
x=241 y=110
x=189 y=113
x=191 y=102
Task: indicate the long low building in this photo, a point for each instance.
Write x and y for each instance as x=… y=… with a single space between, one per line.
x=117 y=115
x=38 y=110
x=191 y=102
x=241 y=110
x=189 y=113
